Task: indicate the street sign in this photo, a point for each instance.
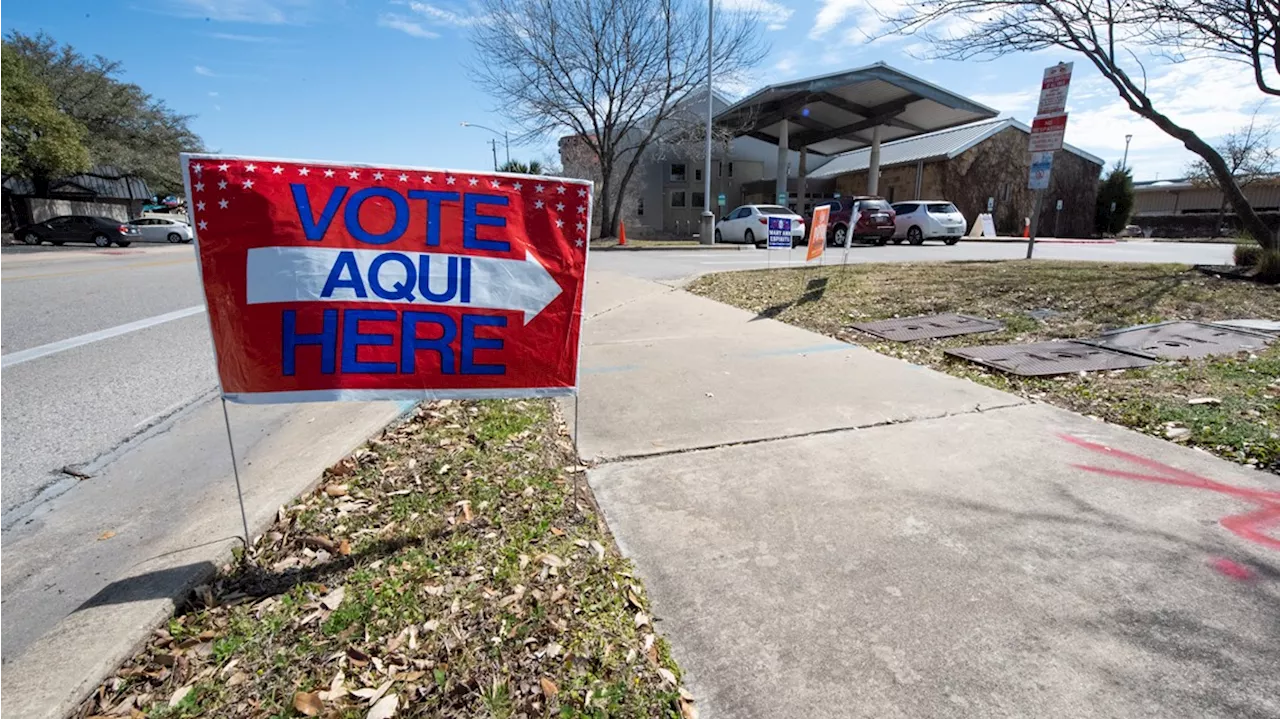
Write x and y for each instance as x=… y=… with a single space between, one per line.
x=780 y=233
x=1041 y=168
x=836 y=195
x=1047 y=132
x=782 y=199
x=1059 y=205
x=991 y=204
x=329 y=281
x=1053 y=89
x=818 y=232
x=720 y=199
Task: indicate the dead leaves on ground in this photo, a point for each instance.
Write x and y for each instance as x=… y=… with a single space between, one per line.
x=447 y=560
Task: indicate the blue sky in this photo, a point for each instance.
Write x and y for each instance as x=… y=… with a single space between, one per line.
x=383 y=80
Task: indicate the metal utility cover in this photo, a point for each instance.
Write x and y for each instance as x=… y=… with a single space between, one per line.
x=928 y=327
x=1048 y=358
x=1179 y=340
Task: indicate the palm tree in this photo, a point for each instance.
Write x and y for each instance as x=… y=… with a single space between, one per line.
x=533 y=168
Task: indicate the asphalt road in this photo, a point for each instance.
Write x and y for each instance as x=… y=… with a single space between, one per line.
x=677 y=265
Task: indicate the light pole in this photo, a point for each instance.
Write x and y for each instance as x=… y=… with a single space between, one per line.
x=506 y=142
x=707 y=232
x=1124 y=164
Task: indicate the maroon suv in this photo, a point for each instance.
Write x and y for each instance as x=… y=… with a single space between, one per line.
x=871 y=217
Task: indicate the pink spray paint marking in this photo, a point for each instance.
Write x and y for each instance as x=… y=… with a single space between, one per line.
x=1235 y=570
x=1250 y=525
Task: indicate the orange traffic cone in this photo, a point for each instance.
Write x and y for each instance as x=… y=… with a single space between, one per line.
x=1026 y=227
x=622 y=233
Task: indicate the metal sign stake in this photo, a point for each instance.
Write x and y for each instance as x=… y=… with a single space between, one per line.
x=235 y=469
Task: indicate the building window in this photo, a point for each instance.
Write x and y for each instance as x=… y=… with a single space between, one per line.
x=891 y=193
x=697 y=175
x=699 y=199
x=677 y=172
x=640 y=207
x=730 y=169
x=678 y=199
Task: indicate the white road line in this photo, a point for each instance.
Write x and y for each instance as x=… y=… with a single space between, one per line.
x=17 y=358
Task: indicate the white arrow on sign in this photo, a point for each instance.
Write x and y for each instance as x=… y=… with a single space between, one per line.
x=300 y=274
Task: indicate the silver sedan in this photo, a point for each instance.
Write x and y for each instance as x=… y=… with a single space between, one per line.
x=162 y=229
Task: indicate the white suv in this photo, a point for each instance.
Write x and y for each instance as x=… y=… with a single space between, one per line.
x=920 y=220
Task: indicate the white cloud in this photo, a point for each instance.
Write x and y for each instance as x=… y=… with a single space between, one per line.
x=213 y=94
x=256 y=11
x=858 y=18
x=405 y=25
x=243 y=38
x=773 y=15
x=444 y=16
x=202 y=70
x=1008 y=103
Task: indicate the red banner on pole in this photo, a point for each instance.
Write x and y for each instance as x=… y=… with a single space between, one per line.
x=329 y=281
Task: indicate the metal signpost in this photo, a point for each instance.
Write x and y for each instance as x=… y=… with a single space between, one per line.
x=1047 y=131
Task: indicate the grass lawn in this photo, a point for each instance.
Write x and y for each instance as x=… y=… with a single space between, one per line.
x=1083 y=299
x=453 y=567
x=601 y=244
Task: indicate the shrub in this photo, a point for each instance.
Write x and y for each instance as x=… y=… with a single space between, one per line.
x=1267 y=267
x=1247 y=255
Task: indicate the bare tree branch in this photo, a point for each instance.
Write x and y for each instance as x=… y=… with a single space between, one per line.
x=611 y=73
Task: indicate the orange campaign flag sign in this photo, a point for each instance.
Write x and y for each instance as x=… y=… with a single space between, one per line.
x=818 y=232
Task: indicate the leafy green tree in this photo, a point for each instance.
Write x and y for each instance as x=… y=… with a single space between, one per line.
x=1117 y=188
x=39 y=141
x=124 y=126
x=533 y=168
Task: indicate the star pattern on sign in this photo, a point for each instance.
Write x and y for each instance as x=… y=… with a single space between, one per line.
x=472 y=181
x=248 y=184
x=224 y=167
x=222 y=184
x=559 y=207
x=537 y=205
x=538 y=188
x=202 y=225
x=580 y=226
x=304 y=171
x=517 y=187
x=197 y=168
x=581 y=243
x=582 y=192
x=448 y=180
x=427 y=178
x=250 y=167
x=277 y=170
x=403 y=177
x=377 y=175
x=200 y=205
x=560 y=189
x=495 y=184
x=328 y=173
x=582 y=208
x=354 y=174
x=199 y=187
x=559 y=223
x=222 y=204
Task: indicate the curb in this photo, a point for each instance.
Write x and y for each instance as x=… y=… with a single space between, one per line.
x=1023 y=241
x=682 y=248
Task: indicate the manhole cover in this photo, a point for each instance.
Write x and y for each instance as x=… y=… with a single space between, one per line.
x=1046 y=358
x=931 y=326
x=1271 y=327
x=1178 y=340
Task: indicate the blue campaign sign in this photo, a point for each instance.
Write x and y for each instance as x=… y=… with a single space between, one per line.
x=780 y=233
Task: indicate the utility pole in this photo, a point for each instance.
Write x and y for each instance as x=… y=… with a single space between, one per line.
x=707 y=232
x=1124 y=164
x=493 y=144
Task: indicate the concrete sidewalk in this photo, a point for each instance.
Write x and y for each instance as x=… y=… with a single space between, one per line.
x=828 y=532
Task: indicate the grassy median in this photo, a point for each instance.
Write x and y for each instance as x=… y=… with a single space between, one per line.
x=454 y=567
x=1227 y=405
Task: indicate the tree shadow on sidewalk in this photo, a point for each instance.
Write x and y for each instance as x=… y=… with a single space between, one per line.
x=813 y=292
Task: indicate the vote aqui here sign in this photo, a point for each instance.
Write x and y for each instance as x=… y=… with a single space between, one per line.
x=332 y=281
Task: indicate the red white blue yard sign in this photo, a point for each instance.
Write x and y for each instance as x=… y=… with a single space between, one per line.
x=333 y=281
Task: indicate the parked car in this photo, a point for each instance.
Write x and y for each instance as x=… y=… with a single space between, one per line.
x=750 y=224
x=1130 y=231
x=870 y=217
x=101 y=231
x=162 y=229
x=921 y=220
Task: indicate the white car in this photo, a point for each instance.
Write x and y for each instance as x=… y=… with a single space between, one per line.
x=750 y=224
x=921 y=220
x=162 y=229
